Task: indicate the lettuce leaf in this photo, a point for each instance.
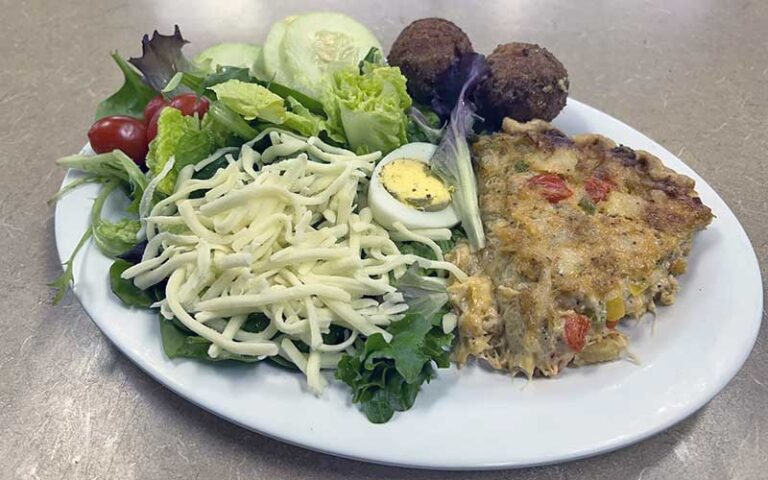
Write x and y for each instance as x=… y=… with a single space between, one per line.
x=181 y=343
x=366 y=107
x=301 y=120
x=251 y=100
x=256 y=102
x=112 y=238
x=423 y=127
x=172 y=127
x=114 y=165
x=125 y=290
x=161 y=58
x=115 y=238
x=387 y=377
x=452 y=160
x=132 y=97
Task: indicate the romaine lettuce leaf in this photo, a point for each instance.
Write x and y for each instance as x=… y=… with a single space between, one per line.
x=256 y=102
x=172 y=126
x=251 y=100
x=301 y=120
x=367 y=107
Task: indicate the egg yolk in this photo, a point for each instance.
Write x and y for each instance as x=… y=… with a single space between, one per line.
x=413 y=183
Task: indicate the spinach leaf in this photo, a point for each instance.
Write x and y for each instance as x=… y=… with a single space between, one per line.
x=125 y=290
x=135 y=254
x=132 y=97
x=279 y=361
x=255 y=323
x=179 y=343
x=210 y=170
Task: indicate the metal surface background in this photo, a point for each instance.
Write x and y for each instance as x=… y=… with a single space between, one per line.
x=692 y=75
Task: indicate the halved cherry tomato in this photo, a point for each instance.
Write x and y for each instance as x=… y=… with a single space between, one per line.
x=597 y=188
x=576 y=328
x=189 y=104
x=120 y=133
x=550 y=186
x=153 y=107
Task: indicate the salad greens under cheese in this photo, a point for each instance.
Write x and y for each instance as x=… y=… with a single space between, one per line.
x=251 y=230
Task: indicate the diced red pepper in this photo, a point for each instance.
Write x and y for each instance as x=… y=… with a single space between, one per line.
x=576 y=328
x=550 y=186
x=598 y=189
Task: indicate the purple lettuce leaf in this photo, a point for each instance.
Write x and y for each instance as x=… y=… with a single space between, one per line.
x=458 y=81
x=452 y=160
x=161 y=58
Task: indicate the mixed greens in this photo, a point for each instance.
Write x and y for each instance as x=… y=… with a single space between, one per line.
x=320 y=79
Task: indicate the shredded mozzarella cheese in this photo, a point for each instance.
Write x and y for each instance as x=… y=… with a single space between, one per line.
x=279 y=233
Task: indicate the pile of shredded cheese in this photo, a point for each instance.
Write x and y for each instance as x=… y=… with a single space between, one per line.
x=278 y=233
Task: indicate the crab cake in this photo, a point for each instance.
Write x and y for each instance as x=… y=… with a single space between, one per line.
x=580 y=234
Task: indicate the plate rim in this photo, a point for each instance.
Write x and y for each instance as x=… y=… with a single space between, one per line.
x=607 y=446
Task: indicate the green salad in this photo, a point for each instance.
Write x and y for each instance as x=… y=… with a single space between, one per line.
x=265 y=220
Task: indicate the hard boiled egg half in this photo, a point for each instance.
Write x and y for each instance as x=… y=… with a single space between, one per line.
x=404 y=189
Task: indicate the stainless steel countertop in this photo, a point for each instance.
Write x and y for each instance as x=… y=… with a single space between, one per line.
x=693 y=75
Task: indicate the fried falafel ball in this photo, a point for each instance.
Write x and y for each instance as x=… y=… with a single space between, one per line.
x=424 y=50
x=525 y=82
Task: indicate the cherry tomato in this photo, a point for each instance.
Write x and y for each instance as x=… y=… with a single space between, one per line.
x=576 y=328
x=153 y=107
x=550 y=186
x=152 y=125
x=189 y=104
x=120 y=133
x=597 y=188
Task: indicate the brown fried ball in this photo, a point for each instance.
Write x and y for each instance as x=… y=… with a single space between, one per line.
x=424 y=50
x=525 y=82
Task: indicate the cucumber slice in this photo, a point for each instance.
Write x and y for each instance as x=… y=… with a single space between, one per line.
x=271 y=57
x=317 y=44
x=243 y=55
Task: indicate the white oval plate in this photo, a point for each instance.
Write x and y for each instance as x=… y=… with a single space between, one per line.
x=473 y=418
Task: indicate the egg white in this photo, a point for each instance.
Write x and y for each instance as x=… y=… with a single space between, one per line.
x=388 y=210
